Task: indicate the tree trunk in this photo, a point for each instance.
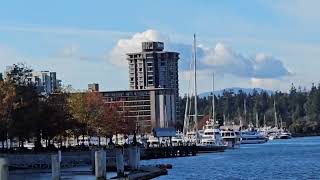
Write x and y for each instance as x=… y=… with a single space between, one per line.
x=135 y=138
x=83 y=139
x=38 y=144
x=116 y=138
x=7 y=144
x=99 y=141
x=110 y=140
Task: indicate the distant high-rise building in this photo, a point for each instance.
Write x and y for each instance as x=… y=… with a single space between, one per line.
x=94 y=87
x=154 y=68
x=46 y=82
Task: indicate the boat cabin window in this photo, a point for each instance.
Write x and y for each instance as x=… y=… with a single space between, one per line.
x=208 y=133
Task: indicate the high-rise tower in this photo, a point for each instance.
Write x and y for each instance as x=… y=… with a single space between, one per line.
x=154 y=68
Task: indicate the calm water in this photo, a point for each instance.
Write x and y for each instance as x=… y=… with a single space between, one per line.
x=297 y=158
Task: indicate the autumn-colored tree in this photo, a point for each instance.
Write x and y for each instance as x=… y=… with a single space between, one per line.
x=7 y=105
x=56 y=120
x=24 y=116
x=95 y=108
x=78 y=110
x=109 y=121
x=116 y=120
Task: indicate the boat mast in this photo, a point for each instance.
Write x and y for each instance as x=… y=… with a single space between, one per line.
x=195 y=83
x=257 y=120
x=245 y=110
x=213 y=115
x=187 y=108
x=275 y=114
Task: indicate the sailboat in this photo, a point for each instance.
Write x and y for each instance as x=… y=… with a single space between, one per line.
x=278 y=133
x=211 y=132
x=190 y=130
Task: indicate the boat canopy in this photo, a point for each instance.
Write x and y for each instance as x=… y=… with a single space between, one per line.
x=164 y=132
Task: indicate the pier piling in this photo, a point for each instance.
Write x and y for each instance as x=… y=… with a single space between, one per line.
x=55 y=167
x=100 y=165
x=134 y=157
x=120 y=162
x=4 y=172
x=92 y=156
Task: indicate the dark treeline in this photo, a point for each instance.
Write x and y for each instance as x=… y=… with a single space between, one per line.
x=299 y=110
x=28 y=115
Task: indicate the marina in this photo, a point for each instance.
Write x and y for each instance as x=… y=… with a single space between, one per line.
x=277 y=159
x=164 y=90
x=287 y=159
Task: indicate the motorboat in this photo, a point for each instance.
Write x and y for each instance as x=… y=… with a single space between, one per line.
x=252 y=137
x=191 y=137
x=178 y=139
x=230 y=136
x=284 y=135
x=211 y=134
x=153 y=141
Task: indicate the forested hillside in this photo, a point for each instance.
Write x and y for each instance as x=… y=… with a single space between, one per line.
x=299 y=109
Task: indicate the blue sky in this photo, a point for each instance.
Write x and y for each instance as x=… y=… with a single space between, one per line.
x=267 y=44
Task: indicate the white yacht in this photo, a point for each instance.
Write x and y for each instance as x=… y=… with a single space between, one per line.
x=191 y=137
x=284 y=135
x=252 y=137
x=280 y=134
x=230 y=136
x=178 y=139
x=153 y=141
x=211 y=135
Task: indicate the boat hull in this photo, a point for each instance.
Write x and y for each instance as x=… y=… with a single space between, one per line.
x=210 y=149
x=253 y=141
x=285 y=137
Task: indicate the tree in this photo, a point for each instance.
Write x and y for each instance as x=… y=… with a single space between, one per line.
x=79 y=112
x=19 y=74
x=55 y=118
x=95 y=108
x=26 y=101
x=7 y=105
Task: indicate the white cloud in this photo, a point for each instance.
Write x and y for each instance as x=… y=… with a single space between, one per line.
x=263 y=83
x=221 y=58
x=224 y=59
x=117 y=56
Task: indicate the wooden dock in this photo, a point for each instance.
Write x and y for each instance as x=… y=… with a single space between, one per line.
x=168 y=152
